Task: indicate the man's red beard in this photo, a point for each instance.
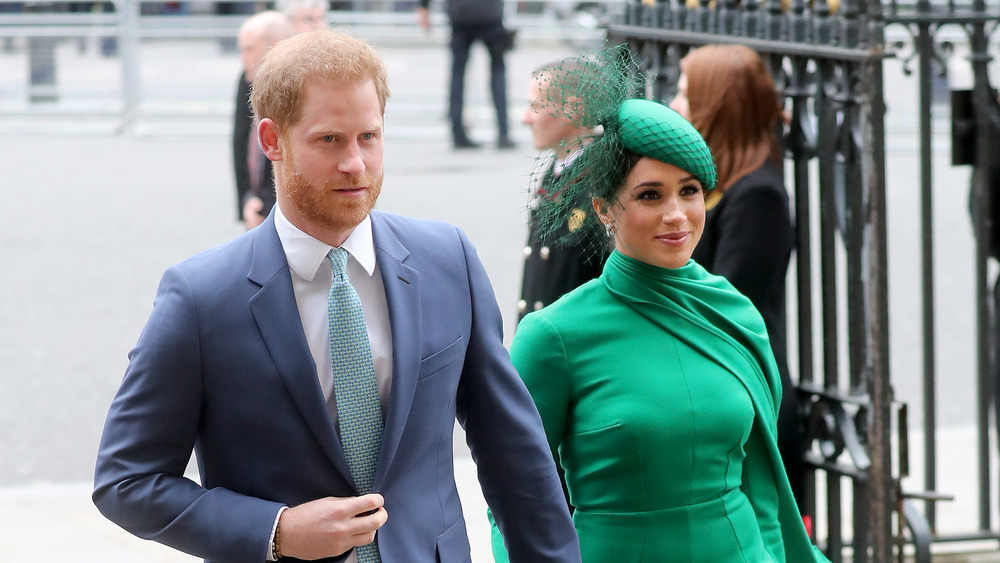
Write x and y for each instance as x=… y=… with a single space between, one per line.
x=322 y=206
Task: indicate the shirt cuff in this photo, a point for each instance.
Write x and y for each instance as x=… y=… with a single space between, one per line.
x=271 y=555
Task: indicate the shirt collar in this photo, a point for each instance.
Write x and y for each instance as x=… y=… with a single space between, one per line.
x=306 y=254
x=561 y=165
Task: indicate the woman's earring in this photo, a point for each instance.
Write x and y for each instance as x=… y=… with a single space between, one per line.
x=609 y=229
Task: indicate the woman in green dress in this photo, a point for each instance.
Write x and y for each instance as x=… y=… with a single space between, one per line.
x=656 y=382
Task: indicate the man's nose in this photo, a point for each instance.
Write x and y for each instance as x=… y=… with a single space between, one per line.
x=351 y=161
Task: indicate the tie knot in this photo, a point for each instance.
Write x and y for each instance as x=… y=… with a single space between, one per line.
x=338 y=261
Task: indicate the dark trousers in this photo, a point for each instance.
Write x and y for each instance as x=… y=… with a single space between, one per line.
x=462 y=37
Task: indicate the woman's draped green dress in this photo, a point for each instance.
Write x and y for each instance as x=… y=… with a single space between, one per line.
x=658 y=392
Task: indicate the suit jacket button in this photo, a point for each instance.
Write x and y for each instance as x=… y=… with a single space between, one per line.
x=544 y=253
x=522 y=306
x=539 y=305
x=527 y=251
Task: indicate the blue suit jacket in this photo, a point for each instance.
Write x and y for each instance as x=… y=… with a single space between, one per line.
x=223 y=367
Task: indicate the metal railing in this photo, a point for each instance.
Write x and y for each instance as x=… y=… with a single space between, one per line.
x=34 y=34
x=829 y=60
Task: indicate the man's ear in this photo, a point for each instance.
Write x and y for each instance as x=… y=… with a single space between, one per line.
x=269 y=138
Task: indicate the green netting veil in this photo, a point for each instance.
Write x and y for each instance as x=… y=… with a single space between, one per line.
x=597 y=92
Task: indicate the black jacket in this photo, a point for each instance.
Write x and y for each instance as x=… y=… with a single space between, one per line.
x=471 y=11
x=748 y=240
x=242 y=123
x=558 y=262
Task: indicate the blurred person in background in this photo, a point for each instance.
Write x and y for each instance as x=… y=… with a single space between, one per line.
x=254 y=178
x=254 y=181
x=472 y=21
x=235 y=8
x=165 y=8
x=557 y=262
x=108 y=43
x=729 y=96
x=305 y=15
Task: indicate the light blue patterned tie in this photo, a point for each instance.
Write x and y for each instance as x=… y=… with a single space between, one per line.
x=355 y=389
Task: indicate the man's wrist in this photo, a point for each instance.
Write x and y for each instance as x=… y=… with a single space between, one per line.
x=275 y=544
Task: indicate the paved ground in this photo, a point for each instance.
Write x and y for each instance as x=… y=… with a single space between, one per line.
x=93 y=219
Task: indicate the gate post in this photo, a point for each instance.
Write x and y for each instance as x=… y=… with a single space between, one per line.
x=882 y=490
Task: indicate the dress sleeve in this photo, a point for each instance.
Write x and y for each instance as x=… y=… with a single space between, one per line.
x=778 y=518
x=760 y=484
x=538 y=354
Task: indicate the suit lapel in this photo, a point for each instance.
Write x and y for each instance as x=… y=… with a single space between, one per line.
x=276 y=313
x=402 y=295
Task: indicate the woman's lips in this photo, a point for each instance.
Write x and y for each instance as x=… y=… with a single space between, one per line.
x=674 y=239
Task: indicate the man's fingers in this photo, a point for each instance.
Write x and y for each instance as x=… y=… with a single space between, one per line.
x=370 y=521
x=367 y=503
x=368 y=525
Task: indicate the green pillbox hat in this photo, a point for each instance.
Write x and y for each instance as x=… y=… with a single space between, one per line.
x=652 y=129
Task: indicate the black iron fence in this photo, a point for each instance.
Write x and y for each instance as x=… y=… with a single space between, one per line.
x=828 y=60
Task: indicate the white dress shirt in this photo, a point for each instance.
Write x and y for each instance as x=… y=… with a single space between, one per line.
x=557 y=167
x=311 y=279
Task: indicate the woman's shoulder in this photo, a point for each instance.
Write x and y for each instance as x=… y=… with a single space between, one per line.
x=767 y=178
x=570 y=310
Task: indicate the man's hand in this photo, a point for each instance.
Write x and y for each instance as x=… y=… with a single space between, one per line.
x=252 y=212
x=424 y=18
x=330 y=526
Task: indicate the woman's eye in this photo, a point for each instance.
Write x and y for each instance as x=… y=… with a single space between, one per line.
x=691 y=190
x=648 y=195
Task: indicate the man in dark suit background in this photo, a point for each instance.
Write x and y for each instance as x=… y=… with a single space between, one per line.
x=241 y=360
x=471 y=21
x=254 y=181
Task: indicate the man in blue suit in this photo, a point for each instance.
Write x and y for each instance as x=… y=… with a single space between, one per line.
x=240 y=362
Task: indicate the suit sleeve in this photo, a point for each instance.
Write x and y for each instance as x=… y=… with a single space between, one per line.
x=148 y=437
x=507 y=440
x=242 y=122
x=754 y=241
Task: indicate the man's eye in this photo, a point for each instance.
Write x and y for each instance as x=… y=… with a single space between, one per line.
x=327 y=138
x=368 y=136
